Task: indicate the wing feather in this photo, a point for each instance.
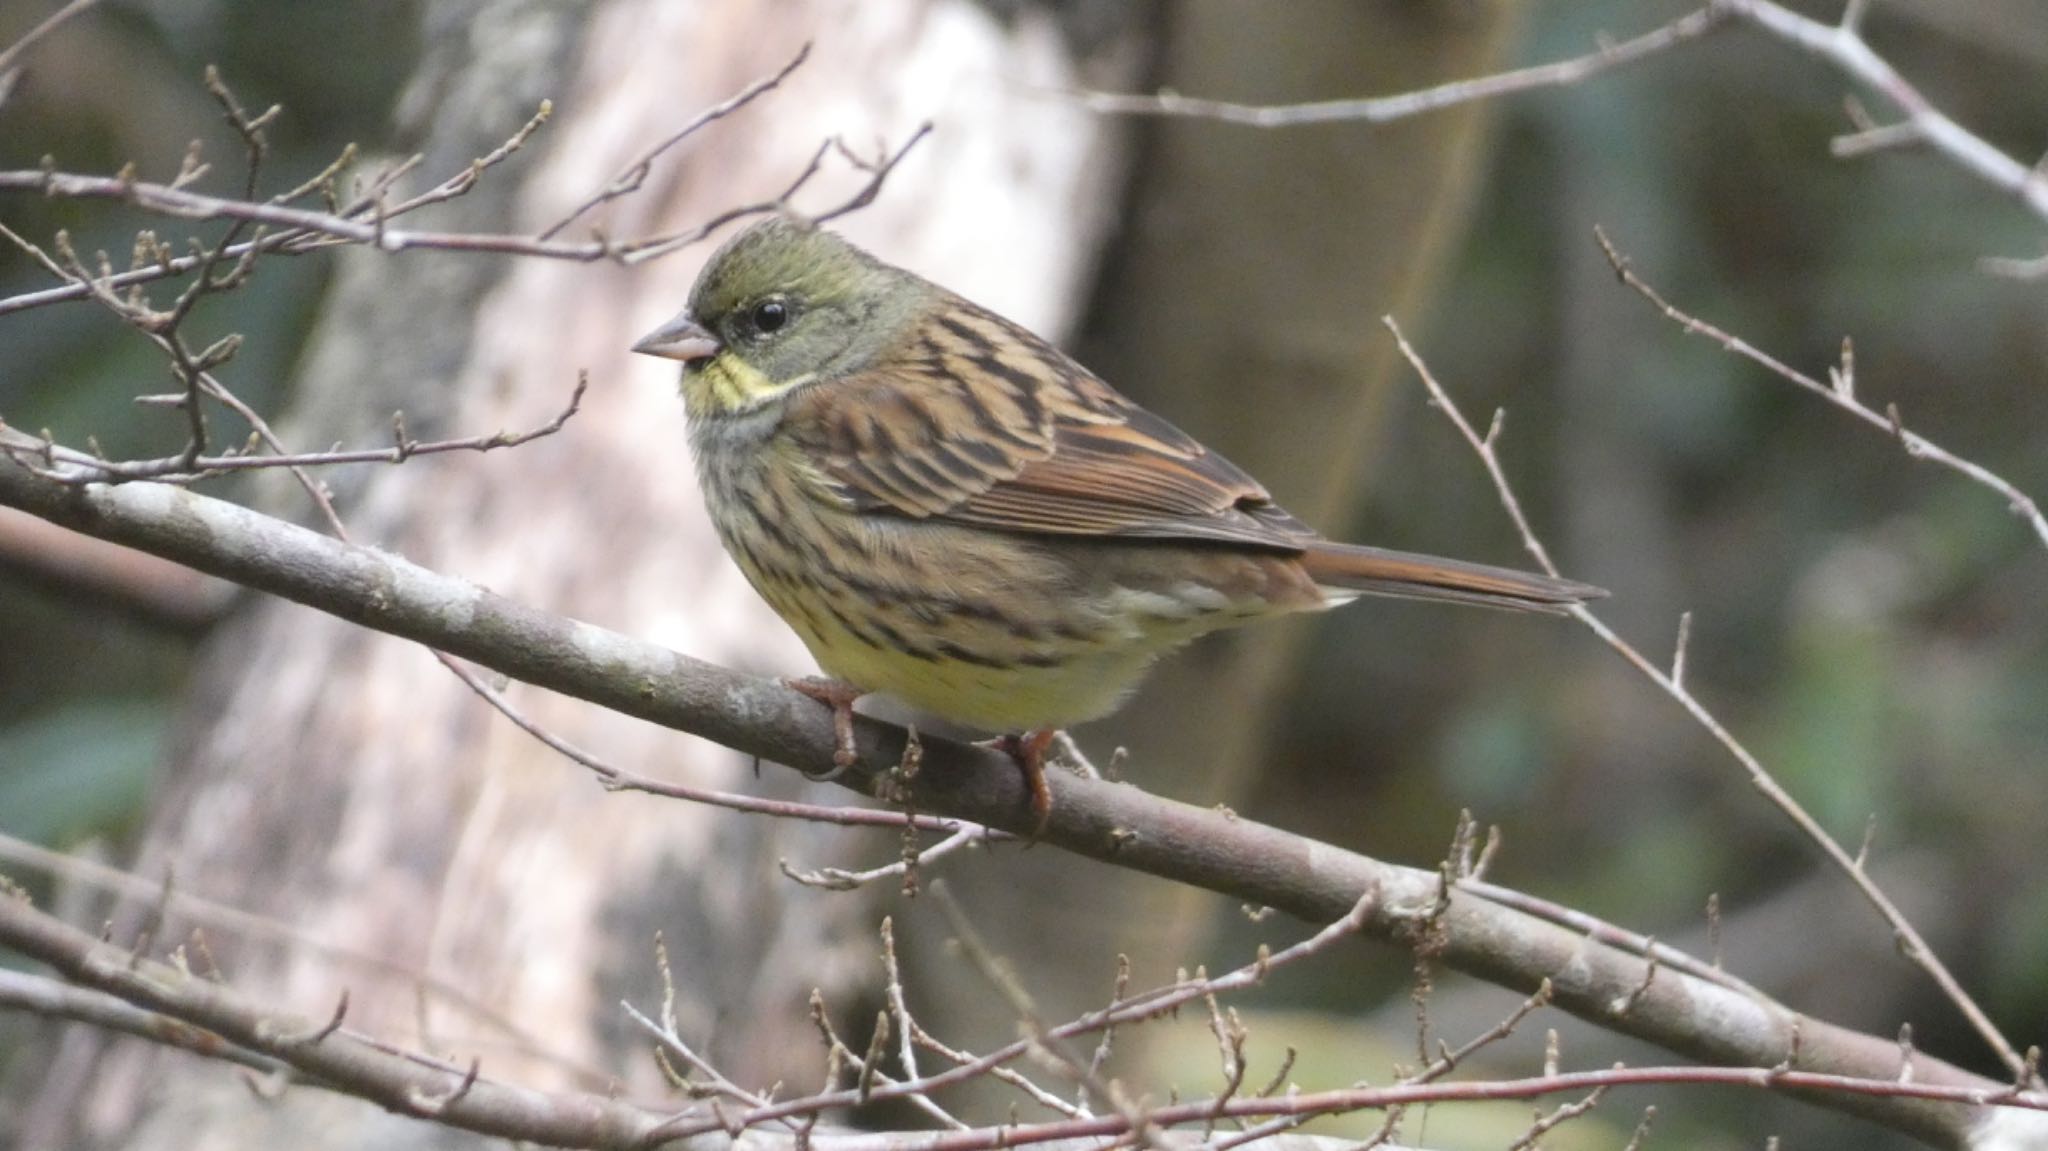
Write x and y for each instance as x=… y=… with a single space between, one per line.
x=1035 y=444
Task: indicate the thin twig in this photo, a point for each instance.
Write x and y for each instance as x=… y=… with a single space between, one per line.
x=50 y=23
x=399 y=1079
x=1381 y=109
x=634 y=175
x=899 y=1006
x=1040 y=1038
x=1842 y=395
x=1594 y=927
x=302 y=230
x=178 y=469
x=842 y=879
x=1842 y=45
x=1910 y=940
x=615 y=778
x=1564 y=1113
x=715 y=1081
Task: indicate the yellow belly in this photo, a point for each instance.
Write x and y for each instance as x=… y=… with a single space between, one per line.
x=992 y=698
x=979 y=674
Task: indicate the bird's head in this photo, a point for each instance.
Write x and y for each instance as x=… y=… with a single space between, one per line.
x=782 y=305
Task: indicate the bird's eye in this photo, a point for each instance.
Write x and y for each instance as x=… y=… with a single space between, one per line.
x=769 y=316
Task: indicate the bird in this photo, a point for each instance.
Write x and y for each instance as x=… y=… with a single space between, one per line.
x=950 y=511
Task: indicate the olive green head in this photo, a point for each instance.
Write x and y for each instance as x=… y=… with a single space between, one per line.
x=783 y=304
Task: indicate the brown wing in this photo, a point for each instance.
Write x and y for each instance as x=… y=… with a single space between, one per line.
x=1038 y=444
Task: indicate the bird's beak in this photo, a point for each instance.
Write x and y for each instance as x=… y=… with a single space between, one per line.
x=682 y=338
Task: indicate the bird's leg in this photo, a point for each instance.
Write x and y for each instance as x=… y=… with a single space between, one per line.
x=838 y=695
x=1029 y=749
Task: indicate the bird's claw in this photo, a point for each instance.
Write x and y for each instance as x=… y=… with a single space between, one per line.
x=1029 y=751
x=839 y=696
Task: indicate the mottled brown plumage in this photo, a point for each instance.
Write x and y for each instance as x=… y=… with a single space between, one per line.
x=952 y=511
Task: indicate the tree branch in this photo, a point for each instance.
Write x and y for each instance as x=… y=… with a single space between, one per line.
x=167 y=1004
x=1840 y=44
x=1109 y=822
x=13 y=53
x=1400 y=106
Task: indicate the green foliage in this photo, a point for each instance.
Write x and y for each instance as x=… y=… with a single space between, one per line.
x=80 y=770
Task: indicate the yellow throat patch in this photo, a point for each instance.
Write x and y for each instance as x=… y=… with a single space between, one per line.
x=729 y=385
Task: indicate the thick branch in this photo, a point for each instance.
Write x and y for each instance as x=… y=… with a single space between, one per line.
x=1110 y=822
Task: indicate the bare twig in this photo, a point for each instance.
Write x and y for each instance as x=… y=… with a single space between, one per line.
x=1596 y=928
x=1449 y=1058
x=301 y=230
x=1841 y=392
x=1910 y=940
x=1840 y=44
x=1048 y=1042
x=1564 y=1113
x=55 y=20
x=878 y=170
x=302 y=222
x=90 y=469
x=615 y=778
x=458 y=1095
x=1107 y=1044
x=1010 y=1076
x=1382 y=109
x=906 y=1025
x=715 y=1081
x=634 y=175
x=373 y=200
x=841 y=879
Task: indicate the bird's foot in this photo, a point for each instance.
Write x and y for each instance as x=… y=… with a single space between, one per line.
x=839 y=696
x=1029 y=751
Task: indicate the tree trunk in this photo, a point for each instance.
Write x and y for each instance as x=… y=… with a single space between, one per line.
x=474 y=893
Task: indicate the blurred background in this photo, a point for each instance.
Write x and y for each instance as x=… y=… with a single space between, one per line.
x=1873 y=628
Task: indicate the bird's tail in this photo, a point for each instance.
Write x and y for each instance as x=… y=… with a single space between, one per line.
x=1345 y=571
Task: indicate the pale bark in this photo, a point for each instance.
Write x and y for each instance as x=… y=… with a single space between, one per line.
x=343 y=783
